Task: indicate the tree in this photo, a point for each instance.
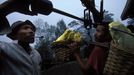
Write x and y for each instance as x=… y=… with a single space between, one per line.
x=108 y=16
x=46 y=34
x=73 y=23
x=49 y=32
x=61 y=27
x=43 y=40
x=39 y=23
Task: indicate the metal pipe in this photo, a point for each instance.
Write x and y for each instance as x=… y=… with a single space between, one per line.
x=101 y=9
x=66 y=14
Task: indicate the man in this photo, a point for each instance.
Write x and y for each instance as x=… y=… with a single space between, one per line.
x=97 y=58
x=18 y=57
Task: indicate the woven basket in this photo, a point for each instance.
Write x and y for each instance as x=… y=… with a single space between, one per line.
x=63 y=54
x=119 y=62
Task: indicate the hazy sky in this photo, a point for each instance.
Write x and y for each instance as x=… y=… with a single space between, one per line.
x=71 y=6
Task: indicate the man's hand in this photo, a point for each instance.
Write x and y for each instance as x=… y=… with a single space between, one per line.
x=75 y=46
x=21 y=6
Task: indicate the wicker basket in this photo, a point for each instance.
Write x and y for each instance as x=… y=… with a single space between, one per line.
x=119 y=62
x=63 y=54
x=62 y=51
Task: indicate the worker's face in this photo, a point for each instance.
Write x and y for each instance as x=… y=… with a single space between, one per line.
x=26 y=34
x=99 y=35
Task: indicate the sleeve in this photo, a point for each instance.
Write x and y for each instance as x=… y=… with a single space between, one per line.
x=0 y=50
x=39 y=63
x=37 y=60
x=1 y=45
x=38 y=57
